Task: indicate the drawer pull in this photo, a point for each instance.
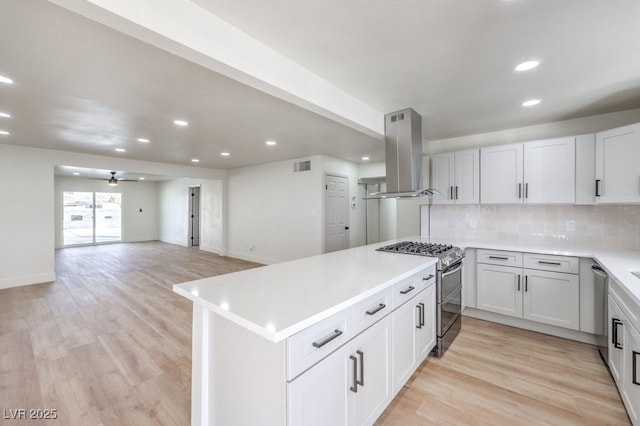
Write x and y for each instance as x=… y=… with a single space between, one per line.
x=361 y=355
x=408 y=290
x=498 y=258
x=544 y=262
x=615 y=322
x=419 y=308
x=376 y=309
x=634 y=369
x=327 y=339
x=421 y=315
x=428 y=277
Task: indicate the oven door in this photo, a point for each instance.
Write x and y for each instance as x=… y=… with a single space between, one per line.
x=449 y=279
x=449 y=311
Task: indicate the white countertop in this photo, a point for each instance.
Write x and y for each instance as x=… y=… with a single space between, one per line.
x=277 y=301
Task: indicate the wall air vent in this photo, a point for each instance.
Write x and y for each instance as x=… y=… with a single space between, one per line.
x=302 y=166
x=397 y=117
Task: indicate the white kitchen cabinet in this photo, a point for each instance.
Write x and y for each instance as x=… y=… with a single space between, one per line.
x=352 y=386
x=586 y=169
x=501 y=174
x=542 y=295
x=631 y=391
x=551 y=298
x=616 y=341
x=536 y=172
x=499 y=289
x=413 y=336
x=456 y=175
x=618 y=165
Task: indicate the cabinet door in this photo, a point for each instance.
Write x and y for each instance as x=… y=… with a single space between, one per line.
x=466 y=180
x=320 y=396
x=499 y=289
x=550 y=171
x=426 y=334
x=405 y=321
x=631 y=392
x=373 y=352
x=501 y=174
x=616 y=342
x=552 y=298
x=618 y=165
x=443 y=177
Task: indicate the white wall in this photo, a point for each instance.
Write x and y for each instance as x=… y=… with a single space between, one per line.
x=136 y=225
x=275 y=214
x=174 y=212
x=27 y=213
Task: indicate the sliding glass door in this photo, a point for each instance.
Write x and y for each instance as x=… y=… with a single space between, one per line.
x=91 y=217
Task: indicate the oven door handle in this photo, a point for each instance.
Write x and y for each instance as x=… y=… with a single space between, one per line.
x=453 y=271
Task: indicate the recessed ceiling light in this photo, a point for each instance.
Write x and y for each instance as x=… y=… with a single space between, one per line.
x=527 y=65
x=270 y=143
x=141 y=178
x=143 y=140
x=5 y=115
x=531 y=102
x=3 y=132
x=76 y=174
x=120 y=150
x=180 y=123
x=5 y=80
x=365 y=158
x=195 y=160
x=225 y=154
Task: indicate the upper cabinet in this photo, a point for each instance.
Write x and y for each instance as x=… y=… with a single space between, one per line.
x=537 y=172
x=456 y=175
x=618 y=165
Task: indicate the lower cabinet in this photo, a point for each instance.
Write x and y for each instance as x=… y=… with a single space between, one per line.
x=533 y=294
x=413 y=336
x=624 y=359
x=352 y=386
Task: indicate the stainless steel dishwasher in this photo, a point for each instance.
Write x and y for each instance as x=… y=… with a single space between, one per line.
x=601 y=311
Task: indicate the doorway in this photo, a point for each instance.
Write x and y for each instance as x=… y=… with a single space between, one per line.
x=336 y=213
x=194 y=216
x=91 y=218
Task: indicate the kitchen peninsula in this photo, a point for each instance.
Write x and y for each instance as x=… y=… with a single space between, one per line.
x=258 y=333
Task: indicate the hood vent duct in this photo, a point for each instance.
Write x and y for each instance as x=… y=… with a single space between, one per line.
x=403 y=150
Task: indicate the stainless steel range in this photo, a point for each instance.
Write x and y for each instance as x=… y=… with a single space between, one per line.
x=448 y=286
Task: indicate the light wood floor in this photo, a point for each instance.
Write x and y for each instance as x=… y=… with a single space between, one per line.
x=110 y=343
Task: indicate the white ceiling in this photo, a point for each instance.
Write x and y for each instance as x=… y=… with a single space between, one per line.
x=83 y=87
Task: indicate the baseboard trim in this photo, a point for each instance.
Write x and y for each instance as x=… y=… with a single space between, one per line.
x=27 y=280
x=256 y=259
x=552 y=330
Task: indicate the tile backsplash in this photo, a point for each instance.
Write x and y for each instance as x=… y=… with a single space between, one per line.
x=588 y=227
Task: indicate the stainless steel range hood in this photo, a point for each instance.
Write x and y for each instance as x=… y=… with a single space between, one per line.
x=403 y=144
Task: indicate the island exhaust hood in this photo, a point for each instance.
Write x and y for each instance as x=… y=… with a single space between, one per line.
x=403 y=145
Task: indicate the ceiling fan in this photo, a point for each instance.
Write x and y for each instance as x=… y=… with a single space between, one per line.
x=113 y=181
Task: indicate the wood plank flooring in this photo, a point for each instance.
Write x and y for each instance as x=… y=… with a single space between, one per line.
x=109 y=343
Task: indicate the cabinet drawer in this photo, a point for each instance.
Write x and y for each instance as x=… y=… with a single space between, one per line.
x=407 y=288
x=500 y=257
x=548 y=262
x=372 y=309
x=309 y=346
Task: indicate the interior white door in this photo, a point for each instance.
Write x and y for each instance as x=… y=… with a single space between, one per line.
x=336 y=213
x=501 y=174
x=550 y=171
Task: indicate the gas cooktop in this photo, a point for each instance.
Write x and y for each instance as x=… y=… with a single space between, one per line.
x=447 y=254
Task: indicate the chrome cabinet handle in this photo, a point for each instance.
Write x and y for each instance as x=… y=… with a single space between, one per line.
x=428 y=277
x=597 y=187
x=327 y=339
x=615 y=322
x=408 y=290
x=634 y=368
x=419 y=316
x=518 y=282
x=354 y=388
x=361 y=355
x=376 y=309
x=544 y=262
x=498 y=257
